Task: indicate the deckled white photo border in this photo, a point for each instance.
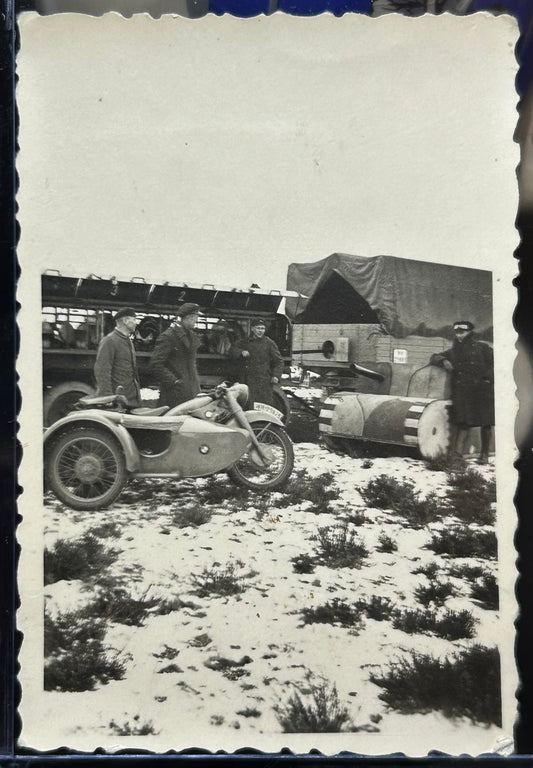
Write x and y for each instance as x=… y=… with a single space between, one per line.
x=460 y=172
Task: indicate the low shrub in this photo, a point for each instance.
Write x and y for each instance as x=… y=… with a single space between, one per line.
x=76 y=658
x=171 y=604
x=447 y=462
x=335 y=612
x=463 y=571
x=235 y=673
x=217 y=493
x=415 y=621
x=465 y=542
x=486 y=591
x=302 y=487
x=192 y=517
x=249 y=712
x=117 y=605
x=135 y=729
x=385 y=492
x=466 y=684
x=470 y=497
x=77 y=559
x=430 y=570
x=303 y=563
x=338 y=547
x=320 y=712
x=355 y=517
x=456 y=625
x=222 y=579
x=108 y=530
x=386 y=543
x=168 y=652
x=435 y=592
x=453 y=625
x=376 y=607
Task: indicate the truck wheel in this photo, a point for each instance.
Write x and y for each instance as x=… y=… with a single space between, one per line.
x=85 y=468
x=60 y=400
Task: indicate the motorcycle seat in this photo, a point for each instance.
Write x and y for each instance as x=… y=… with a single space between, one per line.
x=89 y=401
x=149 y=411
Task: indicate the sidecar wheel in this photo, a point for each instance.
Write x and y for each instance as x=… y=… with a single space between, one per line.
x=85 y=468
x=248 y=472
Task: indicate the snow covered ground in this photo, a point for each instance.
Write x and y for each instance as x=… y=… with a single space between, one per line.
x=209 y=669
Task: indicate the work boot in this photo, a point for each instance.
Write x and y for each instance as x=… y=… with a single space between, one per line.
x=483 y=458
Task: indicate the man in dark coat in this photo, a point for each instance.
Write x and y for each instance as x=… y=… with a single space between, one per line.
x=261 y=363
x=173 y=360
x=472 y=386
x=115 y=360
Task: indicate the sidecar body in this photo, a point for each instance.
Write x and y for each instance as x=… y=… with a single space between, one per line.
x=164 y=446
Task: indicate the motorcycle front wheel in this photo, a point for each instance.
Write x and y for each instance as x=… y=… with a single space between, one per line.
x=275 y=442
x=85 y=468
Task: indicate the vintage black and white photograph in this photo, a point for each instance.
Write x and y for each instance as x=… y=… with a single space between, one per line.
x=266 y=368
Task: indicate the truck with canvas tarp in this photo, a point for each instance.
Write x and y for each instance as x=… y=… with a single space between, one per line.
x=388 y=315
x=78 y=311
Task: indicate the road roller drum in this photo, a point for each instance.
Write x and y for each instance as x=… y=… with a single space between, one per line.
x=421 y=423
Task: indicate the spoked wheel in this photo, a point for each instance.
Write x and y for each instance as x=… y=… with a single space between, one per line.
x=85 y=468
x=251 y=472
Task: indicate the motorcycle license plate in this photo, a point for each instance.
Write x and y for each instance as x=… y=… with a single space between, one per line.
x=268 y=409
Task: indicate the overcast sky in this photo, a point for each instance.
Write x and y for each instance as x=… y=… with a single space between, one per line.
x=220 y=150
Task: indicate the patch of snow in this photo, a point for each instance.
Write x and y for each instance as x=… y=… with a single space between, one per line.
x=172 y=672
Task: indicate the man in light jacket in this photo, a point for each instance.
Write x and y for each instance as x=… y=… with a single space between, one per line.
x=115 y=360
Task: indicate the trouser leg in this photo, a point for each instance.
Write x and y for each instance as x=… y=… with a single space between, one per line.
x=486 y=435
x=460 y=440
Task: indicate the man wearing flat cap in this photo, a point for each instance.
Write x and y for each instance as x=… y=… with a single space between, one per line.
x=261 y=364
x=173 y=360
x=470 y=363
x=115 y=360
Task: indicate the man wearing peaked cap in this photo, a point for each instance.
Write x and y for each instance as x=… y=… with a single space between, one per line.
x=115 y=360
x=125 y=312
x=470 y=363
x=173 y=361
x=188 y=309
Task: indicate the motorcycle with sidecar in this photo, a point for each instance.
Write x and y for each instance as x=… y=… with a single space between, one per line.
x=90 y=454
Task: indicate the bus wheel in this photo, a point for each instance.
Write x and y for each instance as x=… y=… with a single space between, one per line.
x=60 y=400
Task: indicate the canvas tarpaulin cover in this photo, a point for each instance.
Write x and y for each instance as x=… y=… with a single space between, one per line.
x=406 y=297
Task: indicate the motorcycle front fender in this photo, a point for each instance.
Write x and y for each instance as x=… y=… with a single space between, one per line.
x=109 y=422
x=254 y=416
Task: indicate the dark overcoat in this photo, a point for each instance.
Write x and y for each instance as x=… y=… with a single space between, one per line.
x=173 y=364
x=472 y=382
x=116 y=366
x=256 y=371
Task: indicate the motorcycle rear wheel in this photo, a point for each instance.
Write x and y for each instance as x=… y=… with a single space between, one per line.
x=248 y=473
x=85 y=468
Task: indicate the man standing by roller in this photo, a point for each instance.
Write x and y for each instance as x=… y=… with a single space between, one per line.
x=173 y=361
x=470 y=363
x=261 y=364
